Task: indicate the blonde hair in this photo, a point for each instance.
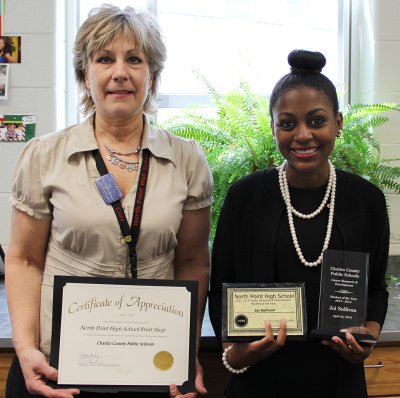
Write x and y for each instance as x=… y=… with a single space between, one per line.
x=105 y=25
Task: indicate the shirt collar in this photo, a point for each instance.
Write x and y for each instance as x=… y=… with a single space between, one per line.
x=158 y=141
x=80 y=138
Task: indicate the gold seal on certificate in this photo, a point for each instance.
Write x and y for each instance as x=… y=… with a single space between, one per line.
x=163 y=360
x=246 y=307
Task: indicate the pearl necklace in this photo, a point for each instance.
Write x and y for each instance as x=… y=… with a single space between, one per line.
x=330 y=191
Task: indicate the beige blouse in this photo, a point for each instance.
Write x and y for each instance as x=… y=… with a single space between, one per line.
x=54 y=179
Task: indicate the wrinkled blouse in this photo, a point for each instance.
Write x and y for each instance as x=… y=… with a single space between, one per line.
x=54 y=179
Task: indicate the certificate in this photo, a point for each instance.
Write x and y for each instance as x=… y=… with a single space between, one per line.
x=124 y=334
x=246 y=307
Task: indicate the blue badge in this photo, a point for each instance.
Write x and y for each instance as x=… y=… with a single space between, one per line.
x=109 y=188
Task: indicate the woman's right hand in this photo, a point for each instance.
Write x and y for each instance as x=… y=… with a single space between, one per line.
x=36 y=371
x=246 y=354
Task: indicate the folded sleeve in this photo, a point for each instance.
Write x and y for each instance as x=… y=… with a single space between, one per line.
x=199 y=178
x=28 y=193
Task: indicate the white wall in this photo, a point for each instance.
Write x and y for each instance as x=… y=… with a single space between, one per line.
x=33 y=83
x=36 y=87
x=376 y=78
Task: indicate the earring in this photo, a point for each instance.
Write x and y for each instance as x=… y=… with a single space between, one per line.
x=339 y=133
x=88 y=93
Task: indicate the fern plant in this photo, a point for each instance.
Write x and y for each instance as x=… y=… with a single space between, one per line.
x=237 y=139
x=358 y=150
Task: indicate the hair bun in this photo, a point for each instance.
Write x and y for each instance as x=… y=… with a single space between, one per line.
x=306 y=61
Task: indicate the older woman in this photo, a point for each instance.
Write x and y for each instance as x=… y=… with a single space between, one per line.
x=60 y=223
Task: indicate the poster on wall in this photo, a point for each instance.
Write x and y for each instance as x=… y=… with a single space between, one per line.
x=10 y=49
x=17 y=128
x=4 y=82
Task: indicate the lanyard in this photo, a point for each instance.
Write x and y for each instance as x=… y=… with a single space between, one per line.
x=130 y=234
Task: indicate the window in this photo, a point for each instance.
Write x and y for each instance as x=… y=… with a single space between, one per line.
x=230 y=39
x=227 y=40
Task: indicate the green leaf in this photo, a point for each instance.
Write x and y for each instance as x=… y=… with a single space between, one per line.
x=237 y=139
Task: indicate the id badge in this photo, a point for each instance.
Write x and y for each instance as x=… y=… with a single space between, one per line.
x=109 y=188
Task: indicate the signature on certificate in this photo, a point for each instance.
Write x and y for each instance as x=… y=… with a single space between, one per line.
x=91 y=359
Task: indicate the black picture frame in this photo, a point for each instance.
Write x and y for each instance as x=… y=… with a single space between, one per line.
x=262 y=288
x=61 y=281
x=2 y=255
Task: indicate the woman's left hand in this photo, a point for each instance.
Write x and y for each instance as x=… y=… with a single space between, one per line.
x=200 y=389
x=349 y=349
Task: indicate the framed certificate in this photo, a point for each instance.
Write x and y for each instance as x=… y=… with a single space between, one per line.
x=112 y=334
x=246 y=307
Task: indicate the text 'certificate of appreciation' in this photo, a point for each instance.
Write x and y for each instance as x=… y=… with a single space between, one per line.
x=114 y=334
